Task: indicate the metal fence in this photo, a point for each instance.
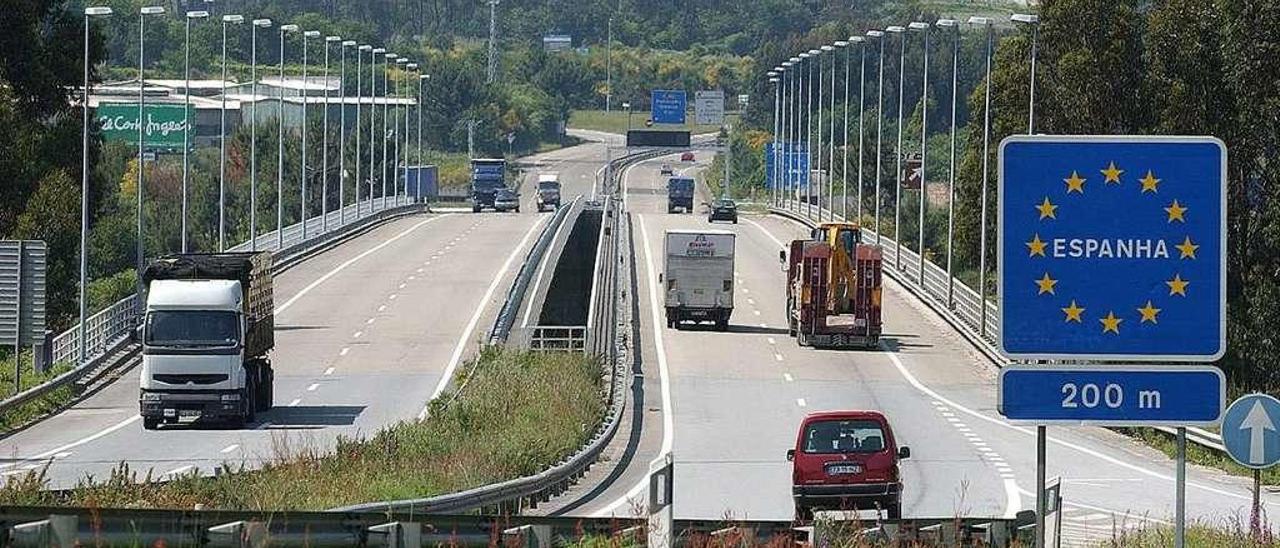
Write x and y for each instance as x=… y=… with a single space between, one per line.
x=559 y=339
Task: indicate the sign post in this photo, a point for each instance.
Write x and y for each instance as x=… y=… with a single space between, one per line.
x=22 y=298
x=1249 y=433
x=1113 y=248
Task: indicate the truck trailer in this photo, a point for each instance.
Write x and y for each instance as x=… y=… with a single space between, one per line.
x=834 y=288
x=206 y=335
x=698 y=276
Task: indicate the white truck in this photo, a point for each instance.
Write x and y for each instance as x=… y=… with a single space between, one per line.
x=205 y=338
x=698 y=277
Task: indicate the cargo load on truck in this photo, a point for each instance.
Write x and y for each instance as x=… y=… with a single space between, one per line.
x=206 y=334
x=834 y=288
x=698 y=276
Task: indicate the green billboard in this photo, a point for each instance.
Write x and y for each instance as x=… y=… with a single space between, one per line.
x=166 y=126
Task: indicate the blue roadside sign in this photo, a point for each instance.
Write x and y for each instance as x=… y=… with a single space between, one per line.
x=1112 y=396
x=1112 y=248
x=1249 y=431
x=667 y=106
x=795 y=164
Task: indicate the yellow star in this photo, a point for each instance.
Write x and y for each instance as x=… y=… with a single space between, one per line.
x=1111 y=323
x=1073 y=312
x=1176 y=212
x=1047 y=209
x=1074 y=183
x=1177 y=286
x=1037 y=246
x=1112 y=174
x=1149 y=313
x=1187 y=248
x=1046 y=284
x=1149 y=182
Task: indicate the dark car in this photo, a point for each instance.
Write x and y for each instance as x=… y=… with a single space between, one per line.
x=723 y=210
x=846 y=460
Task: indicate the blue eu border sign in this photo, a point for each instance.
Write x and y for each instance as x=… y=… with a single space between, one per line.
x=1112 y=248
x=1142 y=395
x=667 y=106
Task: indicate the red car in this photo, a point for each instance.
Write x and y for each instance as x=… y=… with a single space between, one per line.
x=846 y=460
x=686 y=157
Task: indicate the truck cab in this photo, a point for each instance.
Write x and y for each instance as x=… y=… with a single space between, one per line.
x=548 y=191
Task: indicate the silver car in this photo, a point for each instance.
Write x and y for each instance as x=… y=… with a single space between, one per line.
x=506 y=199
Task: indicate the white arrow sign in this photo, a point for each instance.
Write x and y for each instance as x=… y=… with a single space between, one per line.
x=1257 y=422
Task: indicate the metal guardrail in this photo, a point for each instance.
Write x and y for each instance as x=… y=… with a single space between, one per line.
x=601 y=340
x=559 y=339
x=516 y=295
x=964 y=310
x=107 y=330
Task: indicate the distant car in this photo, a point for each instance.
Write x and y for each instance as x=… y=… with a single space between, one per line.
x=667 y=170
x=505 y=199
x=846 y=460
x=723 y=210
x=686 y=157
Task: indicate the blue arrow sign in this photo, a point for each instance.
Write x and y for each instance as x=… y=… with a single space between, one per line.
x=795 y=165
x=1249 y=431
x=1113 y=396
x=667 y=106
x=1112 y=248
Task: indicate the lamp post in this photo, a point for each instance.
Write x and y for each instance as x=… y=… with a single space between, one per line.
x=862 y=80
x=373 y=115
x=816 y=56
x=359 y=132
x=831 y=138
x=844 y=157
x=951 y=185
x=793 y=129
x=186 y=136
x=302 y=206
x=879 y=37
x=773 y=173
x=1033 y=21
x=253 y=133
x=897 y=173
x=923 y=28
x=806 y=127
x=284 y=29
x=986 y=158
x=408 y=133
x=324 y=141
x=142 y=86
x=222 y=138
x=386 y=110
x=421 y=79
x=400 y=149
x=84 y=188
x=342 y=136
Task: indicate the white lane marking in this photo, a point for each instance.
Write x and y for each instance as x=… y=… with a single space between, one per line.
x=313 y=387
x=382 y=308
x=392 y=297
x=328 y=371
x=77 y=443
x=420 y=271
x=801 y=402
x=771 y=341
x=357 y=334
x=370 y=321
x=344 y=351
x=230 y=448
x=177 y=470
x=295 y=402
x=412 y=277
x=463 y=340
x=62 y=455
x=777 y=357
x=756 y=312
x=350 y=262
x=764 y=325
x=402 y=286
x=745 y=290
x=751 y=301
x=1013 y=501
x=668 y=416
x=788 y=377
x=1081 y=505
x=948 y=414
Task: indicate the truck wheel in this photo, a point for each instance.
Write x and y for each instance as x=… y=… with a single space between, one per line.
x=150 y=423
x=266 y=394
x=475 y=209
x=803 y=513
x=894 y=510
x=722 y=325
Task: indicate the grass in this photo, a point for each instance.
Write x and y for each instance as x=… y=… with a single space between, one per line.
x=1234 y=535
x=520 y=413
x=30 y=411
x=616 y=121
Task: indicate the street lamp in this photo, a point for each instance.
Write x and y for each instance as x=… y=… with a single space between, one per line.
x=1034 y=21
x=284 y=29
x=897 y=183
x=303 y=203
x=359 y=70
x=815 y=56
x=773 y=79
x=806 y=98
x=324 y=146
x=142 y=86
x=879 y=37
x=386 y=111
x=923 y=28
x=397 y=150
x=222 y=138
x=784 y=158
x=951 y=185
x=186 y=137
x=342 y=135
x=844 y=158
x=421 y=79
x=413 y=67
x=373 y=115
x=831 y=140
x=986 y=158
x=84 y=189
x=253 y=133
x=793 y=129
x=862 y=80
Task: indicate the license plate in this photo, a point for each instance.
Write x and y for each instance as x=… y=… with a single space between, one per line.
x=840 y=469
x=188 y=413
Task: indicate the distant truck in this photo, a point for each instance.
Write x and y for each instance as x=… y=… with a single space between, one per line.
x=698 y=277
x=487 y=176
x=834 y=288
x=679 y=194
x=548 y=191
x=206 y=334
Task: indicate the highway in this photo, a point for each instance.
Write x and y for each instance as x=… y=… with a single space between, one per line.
x=727 y=405
x=363 y=340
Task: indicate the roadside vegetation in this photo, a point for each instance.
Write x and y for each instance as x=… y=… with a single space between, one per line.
x=24 y=414
x=1233 y=535
x=520 y=412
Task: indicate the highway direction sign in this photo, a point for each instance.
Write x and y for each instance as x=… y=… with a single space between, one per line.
x=708 y=107
x=22 y=291
x=1112 y=396
x=1112 y=248
x=795 y=165
x=1249 y=431
x=667 y=106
